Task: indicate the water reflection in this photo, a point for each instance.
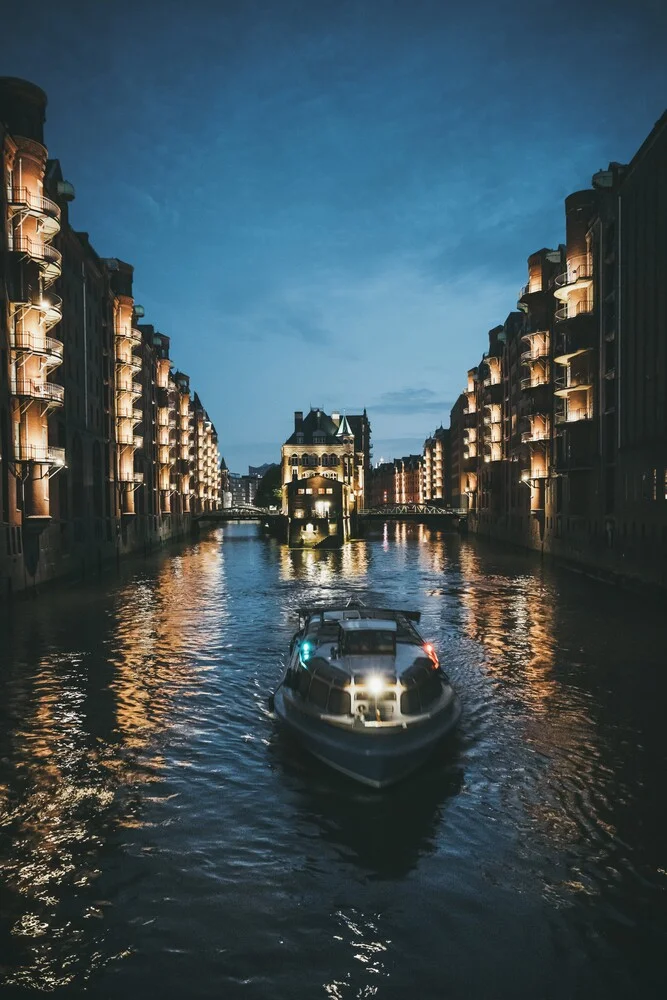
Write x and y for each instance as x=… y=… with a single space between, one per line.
x=157 y=834
x=324 y=567
x=83 y=731
x=384 y=833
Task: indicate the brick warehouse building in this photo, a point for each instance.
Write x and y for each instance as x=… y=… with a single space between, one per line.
x=82 y=474
x=563 y=424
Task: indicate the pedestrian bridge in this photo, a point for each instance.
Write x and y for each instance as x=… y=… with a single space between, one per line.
x=415 y=512
x=242 y=512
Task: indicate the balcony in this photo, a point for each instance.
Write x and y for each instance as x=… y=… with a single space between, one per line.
x=44 y=454
x=138 y=441
x=579 y=274
x=534 y=381
x=47 y=392
x=574 y=310
x=134 y=336
x=34 y=343
x=130 y=477
x=127 y=385
x=19 y=199
x=573 y=414
x=52 y=309
x=129 y=361
x=576 y=340
x=48 y=258
x=137 y=414
x=125 y=439
x=536 y=352
x=572 y=382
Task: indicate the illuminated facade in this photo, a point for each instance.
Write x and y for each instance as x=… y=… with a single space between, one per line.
x=562 y=429
x=436 y=466
x=335 y=448
x=31 y=311
x=102 y=449
x=400 y=481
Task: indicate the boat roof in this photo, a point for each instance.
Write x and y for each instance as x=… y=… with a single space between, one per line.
x=368 y=625
x=356 y=612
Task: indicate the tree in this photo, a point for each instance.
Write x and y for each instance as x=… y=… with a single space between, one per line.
x=269 y=491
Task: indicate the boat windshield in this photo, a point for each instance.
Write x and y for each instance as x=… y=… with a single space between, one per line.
x=371 y=641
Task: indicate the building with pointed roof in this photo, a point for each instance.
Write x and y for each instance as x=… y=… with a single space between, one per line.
x=329 y=447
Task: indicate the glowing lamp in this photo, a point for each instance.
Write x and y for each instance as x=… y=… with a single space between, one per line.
x=375 y=684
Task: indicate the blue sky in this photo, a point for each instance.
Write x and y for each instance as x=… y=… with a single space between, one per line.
x=331 y=202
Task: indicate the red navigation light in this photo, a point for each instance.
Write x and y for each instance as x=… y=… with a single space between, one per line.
x=431 y=653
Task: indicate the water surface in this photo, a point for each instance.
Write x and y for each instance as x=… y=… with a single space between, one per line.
x=159 y=837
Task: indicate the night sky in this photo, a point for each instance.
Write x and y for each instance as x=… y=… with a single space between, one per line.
x=330 y=202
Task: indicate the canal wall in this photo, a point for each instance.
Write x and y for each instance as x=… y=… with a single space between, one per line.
x=80 y=548
x=635 y=560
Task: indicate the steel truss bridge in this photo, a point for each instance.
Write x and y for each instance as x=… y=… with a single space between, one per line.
x=244 y=512
x=415 y=510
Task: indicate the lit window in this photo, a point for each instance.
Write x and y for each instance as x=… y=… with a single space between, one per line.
x=321 y=490
x=329 y=489
x=309 y=490
x=302 y=492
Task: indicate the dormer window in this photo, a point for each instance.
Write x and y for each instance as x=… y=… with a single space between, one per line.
x=318 y=437
x=299 y=437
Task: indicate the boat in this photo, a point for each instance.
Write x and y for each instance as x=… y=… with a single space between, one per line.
x=364 y=692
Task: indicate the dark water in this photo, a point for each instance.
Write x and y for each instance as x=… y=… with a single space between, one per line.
x=159 y=838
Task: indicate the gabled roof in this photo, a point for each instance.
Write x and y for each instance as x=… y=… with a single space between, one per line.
x=315 y=422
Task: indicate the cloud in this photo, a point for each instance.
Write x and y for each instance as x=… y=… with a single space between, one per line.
x=411 y=400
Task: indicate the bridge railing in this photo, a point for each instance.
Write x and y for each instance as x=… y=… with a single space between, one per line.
x=412 y=508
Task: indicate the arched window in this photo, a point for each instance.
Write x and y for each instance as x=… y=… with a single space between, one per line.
x=333 y=460
x=304 y=460
x=325 y=460
x=295 y=459
x=314 y=460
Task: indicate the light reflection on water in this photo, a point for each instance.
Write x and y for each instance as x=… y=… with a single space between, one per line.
x=158 y=836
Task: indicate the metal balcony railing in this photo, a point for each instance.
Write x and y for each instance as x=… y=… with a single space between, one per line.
x=26 y=340
x=134 y=336
x=21 y=197
x=538 y=352
x=573 y=310
x=534 y=381
x=573 y=414
x=47 y=391
x=46 y=454
x=578 y=268
x=573 y=380
x=41 y=252
x=129 y=361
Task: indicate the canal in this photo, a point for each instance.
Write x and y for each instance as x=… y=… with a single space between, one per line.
x=158 y=837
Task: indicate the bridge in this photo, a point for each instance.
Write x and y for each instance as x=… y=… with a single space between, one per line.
x=416 y=512
x=243 y=512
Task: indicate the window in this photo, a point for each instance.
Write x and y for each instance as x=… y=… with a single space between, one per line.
x=302 y=492
x=309 y=490
x=329 y=489
x=295 y=459
x=321 y=490
x=325 y=460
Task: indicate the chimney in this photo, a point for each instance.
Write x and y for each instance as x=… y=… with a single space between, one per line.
x=298 y=420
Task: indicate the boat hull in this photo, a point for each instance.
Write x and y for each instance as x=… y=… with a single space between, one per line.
x=374 y=757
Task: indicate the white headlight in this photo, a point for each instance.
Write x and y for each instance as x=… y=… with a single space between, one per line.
x=375 y=685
